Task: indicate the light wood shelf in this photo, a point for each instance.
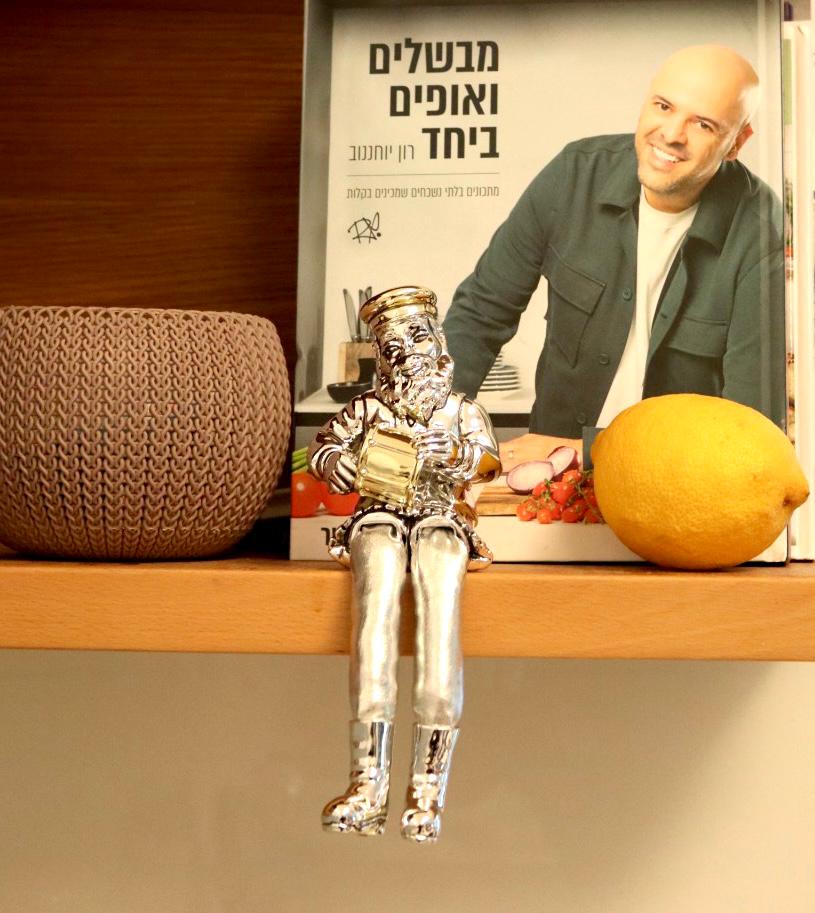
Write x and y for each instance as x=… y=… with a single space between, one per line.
x=268 y=605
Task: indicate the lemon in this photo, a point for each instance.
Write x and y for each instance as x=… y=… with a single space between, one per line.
x=691 y=481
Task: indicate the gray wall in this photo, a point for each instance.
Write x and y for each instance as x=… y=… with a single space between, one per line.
x=151 y=783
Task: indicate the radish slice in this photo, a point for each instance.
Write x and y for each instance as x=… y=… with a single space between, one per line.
x=563 y=459
x=525 y=476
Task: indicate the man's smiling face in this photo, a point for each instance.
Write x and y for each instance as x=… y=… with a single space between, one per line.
x=694 y=117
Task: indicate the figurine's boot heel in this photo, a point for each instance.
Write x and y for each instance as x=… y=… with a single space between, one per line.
x=362 y=808
x=432 y=755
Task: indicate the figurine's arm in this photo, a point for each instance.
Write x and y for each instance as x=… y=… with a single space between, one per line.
x=332 y=455
x=477 y=459
x=472 y=456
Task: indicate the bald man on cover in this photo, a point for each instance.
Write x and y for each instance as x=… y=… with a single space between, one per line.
x=664 y=259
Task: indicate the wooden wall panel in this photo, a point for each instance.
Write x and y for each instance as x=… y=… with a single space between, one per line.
x=149 y=155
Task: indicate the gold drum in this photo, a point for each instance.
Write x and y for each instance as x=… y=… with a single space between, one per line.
x=388 y=467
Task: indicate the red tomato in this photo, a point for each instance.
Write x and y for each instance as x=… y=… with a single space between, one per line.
x=561 y=492
x=306 y=494
x=574 y=512
x=527 y=510
x=572 y=477
x=590 y=497
x=341 y=505
x=552 y=506
x=592 y=516
x=540 y=489
x=545 y=515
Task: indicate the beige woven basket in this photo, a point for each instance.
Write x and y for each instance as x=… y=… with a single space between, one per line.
x=137 y=434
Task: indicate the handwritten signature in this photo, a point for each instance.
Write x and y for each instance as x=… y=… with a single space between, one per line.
x=365 y=229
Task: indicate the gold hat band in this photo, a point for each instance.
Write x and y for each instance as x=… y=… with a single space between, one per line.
x=404 y=301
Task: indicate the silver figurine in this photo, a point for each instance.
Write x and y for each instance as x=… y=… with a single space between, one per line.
x=412 y=448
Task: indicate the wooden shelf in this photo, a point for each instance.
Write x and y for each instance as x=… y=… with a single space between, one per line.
x=268 y=605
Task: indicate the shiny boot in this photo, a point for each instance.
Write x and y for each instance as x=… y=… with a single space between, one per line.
x=432 y=754
x=363 y=806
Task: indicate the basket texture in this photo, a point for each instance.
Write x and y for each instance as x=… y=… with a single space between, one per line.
x=135 y=433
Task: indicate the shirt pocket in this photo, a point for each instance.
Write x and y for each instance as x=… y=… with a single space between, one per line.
x=702 y=338
x=573 y=298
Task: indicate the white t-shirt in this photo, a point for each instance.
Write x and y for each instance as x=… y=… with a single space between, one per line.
x=659 y=237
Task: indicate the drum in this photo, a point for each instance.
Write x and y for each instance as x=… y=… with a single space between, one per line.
x=388 y=467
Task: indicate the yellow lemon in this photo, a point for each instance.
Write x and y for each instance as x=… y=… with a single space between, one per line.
x=693 y=481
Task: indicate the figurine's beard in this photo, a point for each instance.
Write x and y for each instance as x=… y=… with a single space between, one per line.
x=419 y=386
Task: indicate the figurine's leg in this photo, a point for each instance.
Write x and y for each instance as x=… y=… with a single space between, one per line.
x=378 y=568
x=438 y=563
x=378 y=551
x=439 y=557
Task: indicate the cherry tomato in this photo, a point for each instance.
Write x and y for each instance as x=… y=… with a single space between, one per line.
x=341 y=505
x=552 y=506
x=572 y=477
x=592 y=516
x=575 y=511
x=527 y=510
x=545 y=515
x=540 y=489
x=306 y=494
x=590 y=497
x=561 y=492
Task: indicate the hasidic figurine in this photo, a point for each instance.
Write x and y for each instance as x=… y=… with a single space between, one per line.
x=412 y=448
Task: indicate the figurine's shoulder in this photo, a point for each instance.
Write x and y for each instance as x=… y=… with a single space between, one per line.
x=455 y=401
x=468 y=406
x=462 y=412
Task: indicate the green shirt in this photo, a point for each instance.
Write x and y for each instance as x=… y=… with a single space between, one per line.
x=719 y=327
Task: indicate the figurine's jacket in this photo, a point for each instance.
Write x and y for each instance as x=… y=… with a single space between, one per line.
x=440 y=491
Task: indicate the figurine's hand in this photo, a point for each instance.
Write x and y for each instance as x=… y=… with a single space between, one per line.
x=342 y=471
x=436 y=445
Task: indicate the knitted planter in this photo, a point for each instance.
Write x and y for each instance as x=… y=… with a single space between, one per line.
x=137 y=434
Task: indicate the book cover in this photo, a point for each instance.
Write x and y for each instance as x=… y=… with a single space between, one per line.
x=438 y=119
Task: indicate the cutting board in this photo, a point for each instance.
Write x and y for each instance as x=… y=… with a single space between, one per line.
x=497 y=501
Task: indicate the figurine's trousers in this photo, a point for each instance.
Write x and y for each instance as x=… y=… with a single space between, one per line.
x=381 y=548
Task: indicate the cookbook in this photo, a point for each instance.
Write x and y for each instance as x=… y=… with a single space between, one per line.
x=423 y=126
